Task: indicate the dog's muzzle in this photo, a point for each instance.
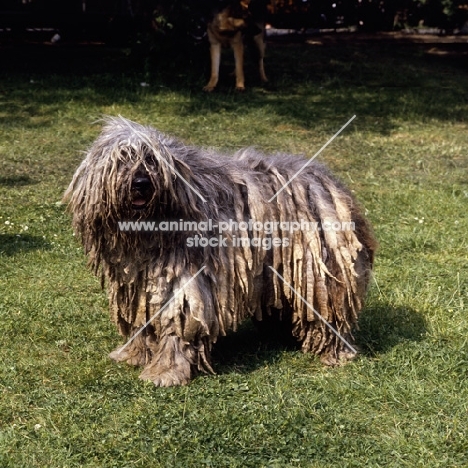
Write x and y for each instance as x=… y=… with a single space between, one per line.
x=141 y=193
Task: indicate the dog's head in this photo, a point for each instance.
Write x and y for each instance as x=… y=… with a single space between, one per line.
x=125 y=173
x=132 y=172
x=231 y=17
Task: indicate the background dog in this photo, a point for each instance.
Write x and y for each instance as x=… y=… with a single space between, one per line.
x=173 y=295
x=230 y=23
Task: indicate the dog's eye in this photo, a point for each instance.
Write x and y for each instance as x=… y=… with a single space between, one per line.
x=149 y=159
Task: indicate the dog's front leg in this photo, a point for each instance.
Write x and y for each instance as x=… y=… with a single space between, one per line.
x=215 y=53
x=135 y=353
x=172 y=363
x=238 y=48
x=260 y=43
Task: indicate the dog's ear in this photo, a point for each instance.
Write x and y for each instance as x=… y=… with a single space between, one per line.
x=182 y=167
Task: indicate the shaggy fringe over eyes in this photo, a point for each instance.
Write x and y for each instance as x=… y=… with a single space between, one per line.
x=330 y=269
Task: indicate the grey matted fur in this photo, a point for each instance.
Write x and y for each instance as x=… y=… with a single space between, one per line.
x=135 y=173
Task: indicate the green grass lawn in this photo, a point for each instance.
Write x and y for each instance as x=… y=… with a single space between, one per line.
x=402 y=403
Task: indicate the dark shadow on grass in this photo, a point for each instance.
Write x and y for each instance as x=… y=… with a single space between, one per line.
x=11 y=244
x=381 y=328
x=16 y=181
x=249 y=349
x=314 y=82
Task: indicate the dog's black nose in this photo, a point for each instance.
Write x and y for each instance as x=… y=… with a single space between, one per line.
x=141 y=183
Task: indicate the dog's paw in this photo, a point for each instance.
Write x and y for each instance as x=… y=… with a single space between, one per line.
x=165 y=378
x=240 y=89
x=337 y=359
x=208 y=89
x=131 y=355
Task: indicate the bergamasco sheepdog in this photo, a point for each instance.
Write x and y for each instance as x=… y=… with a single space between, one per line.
x=271 y=237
